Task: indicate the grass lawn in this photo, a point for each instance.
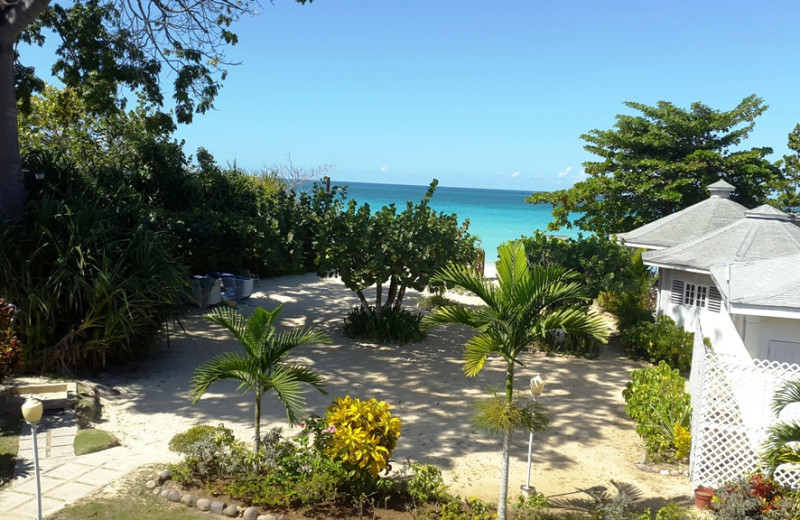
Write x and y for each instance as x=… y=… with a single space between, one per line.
x=133 y=502
x=10 y=426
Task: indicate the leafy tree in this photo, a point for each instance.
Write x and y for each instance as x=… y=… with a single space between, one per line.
x=788 y=188
x=661 y=161
x=262 y=367
x=404 y=249
x=107 y=46
x=524 y=306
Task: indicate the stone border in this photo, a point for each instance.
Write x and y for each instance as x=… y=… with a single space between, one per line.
x=157 y=485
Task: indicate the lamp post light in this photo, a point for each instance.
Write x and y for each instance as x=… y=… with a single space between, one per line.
x=32 y=412
x=537 y=385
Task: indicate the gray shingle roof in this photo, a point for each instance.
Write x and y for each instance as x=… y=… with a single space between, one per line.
x=770 y=283
x=686 y=224
x=763 y=234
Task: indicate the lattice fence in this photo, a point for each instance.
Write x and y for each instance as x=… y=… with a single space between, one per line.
x=731 y=411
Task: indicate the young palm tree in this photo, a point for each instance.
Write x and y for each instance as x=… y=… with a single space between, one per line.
x=783 y=437
x=261 y=368
x=523 y=307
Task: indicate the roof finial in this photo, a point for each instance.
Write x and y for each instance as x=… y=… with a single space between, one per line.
x=721 y=189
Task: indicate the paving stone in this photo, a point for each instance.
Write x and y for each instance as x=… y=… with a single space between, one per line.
x=47 y=483
x=11 y=499
x=100 y=477
x=70 y=491
x=70 y=471
x=49 y=506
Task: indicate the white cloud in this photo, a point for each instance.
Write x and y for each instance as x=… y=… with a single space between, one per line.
x=514 y=175
x=565 y=172
x=384 y=169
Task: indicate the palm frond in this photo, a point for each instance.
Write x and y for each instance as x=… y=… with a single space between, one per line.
x=476 y=352
x=789 y=393
x=780 y=445
x=467 y=278
x=226 y=366
x=286 y=381
x=233 y=321
x=260 y=325
x=512 y=269
x=453 y=314
x=574 y=320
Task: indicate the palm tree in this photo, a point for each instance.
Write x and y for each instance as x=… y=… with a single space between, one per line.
x=261 y=368
x=780 y=446
x=522 y=308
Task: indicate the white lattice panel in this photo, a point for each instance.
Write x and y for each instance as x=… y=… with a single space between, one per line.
x=731 y=401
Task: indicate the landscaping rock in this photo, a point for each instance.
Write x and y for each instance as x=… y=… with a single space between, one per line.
x=268 y=516
x=174 y=496
x=665 y=472
x=150 y=484
x=203 y=504
x=189 y=500
x=217 y=507
x=156 y=491
x=164 y=493
x=282 y=517
x=166 y=474
x=231 y=511
x=251 y=513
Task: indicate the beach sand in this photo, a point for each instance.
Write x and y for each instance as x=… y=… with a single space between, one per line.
x=591 y=443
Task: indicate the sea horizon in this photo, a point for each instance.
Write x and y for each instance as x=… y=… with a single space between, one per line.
x=495 y=215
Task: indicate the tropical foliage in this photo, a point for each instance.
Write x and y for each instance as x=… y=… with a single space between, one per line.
x=788 y=188
x=656 y=400
x=660 y=341
x=383 y=325
x=403 y=249
x=525 y=305
x=364 y=434
x=262 y=367
x=10 y=348
x=783 y=435
x=659 y=161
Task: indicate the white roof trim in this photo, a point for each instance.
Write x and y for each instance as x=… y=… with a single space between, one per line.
x=766 y=310
x=677 y=267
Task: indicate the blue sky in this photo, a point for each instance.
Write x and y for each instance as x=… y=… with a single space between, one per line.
x=486 y=94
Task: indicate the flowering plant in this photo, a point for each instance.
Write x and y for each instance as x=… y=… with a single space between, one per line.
x=363 y=433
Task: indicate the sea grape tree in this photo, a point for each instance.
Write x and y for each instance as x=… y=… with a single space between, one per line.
x=391 y=250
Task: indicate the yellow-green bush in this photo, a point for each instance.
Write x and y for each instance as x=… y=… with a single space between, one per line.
x=364 y=434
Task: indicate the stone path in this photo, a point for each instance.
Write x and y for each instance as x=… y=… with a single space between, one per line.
x=65 y=477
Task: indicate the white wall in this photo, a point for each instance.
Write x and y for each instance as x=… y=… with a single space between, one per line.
x=759 y=330
x=717 y=326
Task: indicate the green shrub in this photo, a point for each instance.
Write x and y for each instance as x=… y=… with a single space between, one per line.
x=427 y=485
x=582 y=345
x=531 y=506
x=10 y=348
x=656 y=400
x=603 y=264
x=673 y=511
x=384 y=325
x=433 y=301
x=660 y=341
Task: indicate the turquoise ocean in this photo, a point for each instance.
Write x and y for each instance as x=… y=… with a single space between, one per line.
x=495 y=216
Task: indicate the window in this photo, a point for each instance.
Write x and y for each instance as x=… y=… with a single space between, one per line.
x=704 y=296
x=695 y=295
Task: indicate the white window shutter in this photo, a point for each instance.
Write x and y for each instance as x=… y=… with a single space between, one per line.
x=676 y=297
x=714 y=299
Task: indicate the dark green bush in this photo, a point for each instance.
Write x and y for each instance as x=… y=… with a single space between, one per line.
x=660 y=341
x=656 y=400
x=384 y=325
x=603 y=264
x=573 y=344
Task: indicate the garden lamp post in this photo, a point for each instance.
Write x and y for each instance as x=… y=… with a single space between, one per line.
x=537 y=385
x=32 y=412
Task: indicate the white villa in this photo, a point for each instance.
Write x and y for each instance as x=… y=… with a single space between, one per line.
x=735 y=270
x=732 y=275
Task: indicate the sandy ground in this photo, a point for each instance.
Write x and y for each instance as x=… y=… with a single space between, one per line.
x=591 y=443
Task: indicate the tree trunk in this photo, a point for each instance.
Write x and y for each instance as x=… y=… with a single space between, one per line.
x=14 y=19
x=378 y=295
x=363 y=299
x=501 y=504
x=390 y=298
x=400 y=295
x=13 y=194
x=257 y=440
